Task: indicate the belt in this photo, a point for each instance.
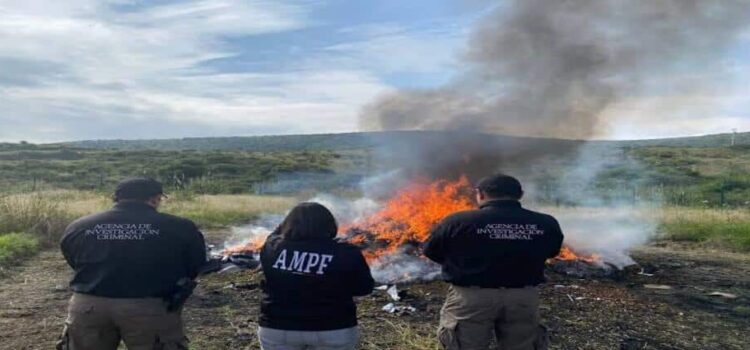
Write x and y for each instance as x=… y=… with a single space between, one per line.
x=481 y=287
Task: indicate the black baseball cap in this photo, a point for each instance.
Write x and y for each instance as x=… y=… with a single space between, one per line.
x=138 y=188
x=500 y=185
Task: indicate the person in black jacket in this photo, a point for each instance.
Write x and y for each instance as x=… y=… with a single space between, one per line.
x=129 y=264
x=494 y=258
x=310 y=280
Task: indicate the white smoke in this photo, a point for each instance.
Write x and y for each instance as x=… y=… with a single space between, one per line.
x=403 y=267
x=347 y=210
x=608 y=226
x=384 y=184
x=259 y=229
x=609 y=232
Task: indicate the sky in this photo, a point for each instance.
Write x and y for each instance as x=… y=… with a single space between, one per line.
x=132 y=69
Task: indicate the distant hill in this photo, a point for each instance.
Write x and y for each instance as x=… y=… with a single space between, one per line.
x=366 y=140
x=693 y=171
x=715 y=140
x=315 y=142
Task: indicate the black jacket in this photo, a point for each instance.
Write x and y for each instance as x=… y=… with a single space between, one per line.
x=499 y=245
x=132 y=251
x=310 y=284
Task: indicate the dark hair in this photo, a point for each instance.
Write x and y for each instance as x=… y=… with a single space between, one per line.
x=500 y=185
x=308 y=220
x=137 y=189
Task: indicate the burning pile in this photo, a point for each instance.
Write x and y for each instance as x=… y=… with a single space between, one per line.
x=252 y=246
x=567 y=254
x=391 y=237
x=405 y=221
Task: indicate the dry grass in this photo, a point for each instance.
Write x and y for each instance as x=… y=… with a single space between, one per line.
x=701 y=214
x=28 y=222
x=224 y=210
x=403 y=335
x=248 y=203
x=205 y=210
x=35 y=213
x=657 y=214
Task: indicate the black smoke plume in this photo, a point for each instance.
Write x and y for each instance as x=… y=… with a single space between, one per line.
x=550 y=68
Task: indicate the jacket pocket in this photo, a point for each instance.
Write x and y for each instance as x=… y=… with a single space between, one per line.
x=523 y=312
x=447 y=334
x=64 y=342
x=542 y=339
x=171 y=345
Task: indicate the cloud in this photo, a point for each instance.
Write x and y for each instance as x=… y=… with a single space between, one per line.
x=394 y=48
x=700 y=102
x=29 y=72
x=92 y=69
x=101 y=44
x=699 y=113
x=86 y=69
x=225 y=104
x=218 y=17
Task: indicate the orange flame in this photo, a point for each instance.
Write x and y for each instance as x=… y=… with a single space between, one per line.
x=252 y=246
x=568 y=254
x=409 y=216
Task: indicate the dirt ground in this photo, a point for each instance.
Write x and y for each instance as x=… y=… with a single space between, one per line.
x=581 y=313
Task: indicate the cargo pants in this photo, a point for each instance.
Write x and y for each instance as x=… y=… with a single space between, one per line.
x=96 y=323
x=471 y=314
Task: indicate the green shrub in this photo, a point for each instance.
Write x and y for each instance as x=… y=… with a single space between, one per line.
x=15 y=246
x=726 y=234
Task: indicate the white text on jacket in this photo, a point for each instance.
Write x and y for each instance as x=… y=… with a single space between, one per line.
x=303 y=262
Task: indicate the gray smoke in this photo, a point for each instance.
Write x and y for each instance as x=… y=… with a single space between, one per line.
x=546 y=68
x=551 y=67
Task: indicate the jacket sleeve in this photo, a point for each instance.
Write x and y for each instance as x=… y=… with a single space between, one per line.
x=362 y=282
x=66 y=247
x=555 y=241
x=436 y=247
x=196 y=250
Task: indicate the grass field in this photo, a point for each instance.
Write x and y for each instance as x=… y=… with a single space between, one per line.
x=33 y=221
x=725 y=229
x=687 y=172
x=39 y=218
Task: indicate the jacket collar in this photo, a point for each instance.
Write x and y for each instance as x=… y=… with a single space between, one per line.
x=129 y=206
x=501 y=203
